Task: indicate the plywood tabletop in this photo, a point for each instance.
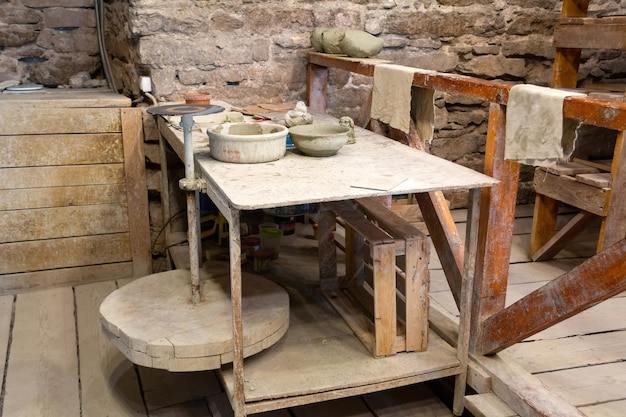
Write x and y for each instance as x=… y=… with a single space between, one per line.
x=374 y=166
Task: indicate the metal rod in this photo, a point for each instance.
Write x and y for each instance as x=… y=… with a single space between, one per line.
x=192 y=212
x=187 y=122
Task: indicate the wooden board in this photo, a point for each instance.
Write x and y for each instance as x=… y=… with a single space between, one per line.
x=521 y=391
x=136 y=191
x=320 y=345
x=600 y=180
x=64 y=98
x=608 y=409
x=599 y=318
x=19 y=282
x=588 y=385
x=77 y=120
x=42 y=371
x=36 y=177
x=33 y=198
x=109 y=383
x=152 y=321
x=549 y=355
x=44 y=150
x=603 y=33
x=569 y=168
x=570 y=191
x=164 y=389
x=63 y=253
x=412 y=400
x=488 y=405
x=62 y=222
x=350 y=407
x=197 y=408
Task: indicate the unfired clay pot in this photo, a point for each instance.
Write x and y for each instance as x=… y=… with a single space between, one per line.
x=247 y=142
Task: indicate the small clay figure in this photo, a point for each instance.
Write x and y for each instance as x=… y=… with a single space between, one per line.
x=298 y=116
x=348 y=122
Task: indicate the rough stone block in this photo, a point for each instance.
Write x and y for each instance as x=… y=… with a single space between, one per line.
x=61 y=17
x=19 y=16
x=16 y=36
x=57 y=3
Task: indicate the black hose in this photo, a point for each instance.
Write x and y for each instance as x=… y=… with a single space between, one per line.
x=104 y=56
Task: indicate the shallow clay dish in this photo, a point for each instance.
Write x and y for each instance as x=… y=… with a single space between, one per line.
x=319 y=139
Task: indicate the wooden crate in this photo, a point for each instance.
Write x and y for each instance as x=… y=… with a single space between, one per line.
x=384 y=294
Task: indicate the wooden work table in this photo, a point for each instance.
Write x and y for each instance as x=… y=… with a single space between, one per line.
x=321 y=366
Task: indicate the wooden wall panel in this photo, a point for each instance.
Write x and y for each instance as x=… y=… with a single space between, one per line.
x=15 y=283
x=28 y=121
x=75 y=175
x=137 y=190
x=33 y=198
x=40 y=255
x=73 y=192
x=60 y=222
x=43 y=150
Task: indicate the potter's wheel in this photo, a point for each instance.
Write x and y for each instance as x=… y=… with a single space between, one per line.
x=154 y=323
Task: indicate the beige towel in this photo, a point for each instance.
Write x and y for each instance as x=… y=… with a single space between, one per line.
x=536 y=132
x=391 y=99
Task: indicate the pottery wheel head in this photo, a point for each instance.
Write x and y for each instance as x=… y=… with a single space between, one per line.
x=185 y=109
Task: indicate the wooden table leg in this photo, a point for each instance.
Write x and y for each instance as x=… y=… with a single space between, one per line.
x=465 y=310
x=497 y=208
x=234 y=238
x=326 y=249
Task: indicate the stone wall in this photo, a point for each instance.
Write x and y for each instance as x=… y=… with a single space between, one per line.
x=48 y=41
x=247 y=51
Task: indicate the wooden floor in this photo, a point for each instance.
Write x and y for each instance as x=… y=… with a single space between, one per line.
x=57 y=362
x=581 y=360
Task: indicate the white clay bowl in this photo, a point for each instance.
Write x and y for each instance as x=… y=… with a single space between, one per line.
x=319 y=139
x=247 y=143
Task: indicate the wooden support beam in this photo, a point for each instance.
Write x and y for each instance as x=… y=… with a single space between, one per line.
x=497 y=213
x=596 y=111
x=522 y=391
x=574 y=8
x=597 y=279
x=136 y=190
x=445 y=237
x=317 y=86
x=563 y=237
x=614 y=226
x=544 y=223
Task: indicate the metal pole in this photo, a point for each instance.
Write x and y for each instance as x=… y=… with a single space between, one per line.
x=192 y=223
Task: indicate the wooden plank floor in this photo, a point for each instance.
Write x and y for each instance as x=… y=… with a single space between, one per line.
x=583 y=359
x=57 y=362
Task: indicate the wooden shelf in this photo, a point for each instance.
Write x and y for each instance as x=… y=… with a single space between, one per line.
x=320 y=358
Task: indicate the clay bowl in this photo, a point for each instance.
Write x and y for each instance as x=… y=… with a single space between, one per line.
x=197 y=98
x=247 y=143
x=319 y=139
